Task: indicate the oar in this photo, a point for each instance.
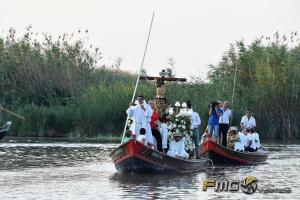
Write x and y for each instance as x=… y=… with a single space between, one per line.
x=138 y=78
x=10 y=112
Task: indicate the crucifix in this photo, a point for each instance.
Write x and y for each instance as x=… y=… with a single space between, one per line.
x=160 y=83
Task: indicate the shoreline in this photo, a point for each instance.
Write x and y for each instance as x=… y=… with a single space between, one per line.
x=101 y=139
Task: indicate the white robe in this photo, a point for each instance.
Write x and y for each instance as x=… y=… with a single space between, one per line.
x=250 y=137
x=141 y=119
x=240 y=146
x=164 y=135
x=257 y=141
x=177 y=149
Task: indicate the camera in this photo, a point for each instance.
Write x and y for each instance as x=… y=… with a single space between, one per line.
x=213 y=104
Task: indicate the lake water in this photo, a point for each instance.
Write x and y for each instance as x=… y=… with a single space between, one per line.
x=34 y=169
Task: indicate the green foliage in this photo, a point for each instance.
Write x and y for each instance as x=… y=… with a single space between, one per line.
x=268 y=81
x=62 y=89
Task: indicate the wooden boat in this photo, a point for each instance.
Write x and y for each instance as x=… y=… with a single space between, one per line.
x=221 y=155
x=4 y=129
x=135 y=157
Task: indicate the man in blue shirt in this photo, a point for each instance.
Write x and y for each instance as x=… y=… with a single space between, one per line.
x=215 y=112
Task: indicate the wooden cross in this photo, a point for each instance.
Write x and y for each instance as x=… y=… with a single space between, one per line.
x=161 y=86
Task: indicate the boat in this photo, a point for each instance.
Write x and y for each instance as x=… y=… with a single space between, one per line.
x=134 y=157
x=221 y=155
x=4 y=129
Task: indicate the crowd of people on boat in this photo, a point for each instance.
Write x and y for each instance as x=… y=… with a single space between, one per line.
x=146 y=124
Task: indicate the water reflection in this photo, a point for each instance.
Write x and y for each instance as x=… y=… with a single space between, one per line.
x=59 y=170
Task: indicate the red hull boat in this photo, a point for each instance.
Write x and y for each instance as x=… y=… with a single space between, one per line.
x=221 y=155
x=135 y=157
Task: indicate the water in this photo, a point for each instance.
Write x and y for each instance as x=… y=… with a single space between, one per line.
x=61 y=170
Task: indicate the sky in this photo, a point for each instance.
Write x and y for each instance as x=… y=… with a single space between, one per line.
x=194 y=33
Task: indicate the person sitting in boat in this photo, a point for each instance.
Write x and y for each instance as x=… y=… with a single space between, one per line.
x=141 y=114
x=248 y=120
x=127 y=137
x=256 y=138
x=243 y=142
x=250 y=142
x=142 y=138
x=177 y=147
x=233 y=139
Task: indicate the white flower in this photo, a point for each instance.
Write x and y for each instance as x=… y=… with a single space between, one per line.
x=184 y=113
x=183 y=105
x=176 y=120
x=190 y=112
x=183 y=126
x=177 y=131
x=171 y=112
x=177 y=104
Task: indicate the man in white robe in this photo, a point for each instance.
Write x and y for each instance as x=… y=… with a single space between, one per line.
x=141 y=114
x=177 y=147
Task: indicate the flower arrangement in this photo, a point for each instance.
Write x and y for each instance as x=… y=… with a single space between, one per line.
x=180 y=122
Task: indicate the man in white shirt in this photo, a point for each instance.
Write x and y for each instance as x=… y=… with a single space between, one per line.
x=164 y=133
x=177 y=147
x=195 y=123
x=224 y=122
x=251 y=147
x=256 y=138
x=247 y=120
x=243 y=140
x=141 y=114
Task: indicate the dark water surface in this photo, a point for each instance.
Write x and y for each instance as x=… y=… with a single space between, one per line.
x=34 y=169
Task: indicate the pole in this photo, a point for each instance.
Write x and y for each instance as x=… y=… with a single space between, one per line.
x=10 y=112
x=233 y=89
x=139 y=74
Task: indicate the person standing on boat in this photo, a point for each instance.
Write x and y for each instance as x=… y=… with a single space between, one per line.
x=224 y=122
x=195 y=123
x=248 y=120
x=213 y=123
x=141 y=114
x=154 y=123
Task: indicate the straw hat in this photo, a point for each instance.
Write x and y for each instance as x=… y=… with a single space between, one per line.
x=233 y=128
x=177 y=135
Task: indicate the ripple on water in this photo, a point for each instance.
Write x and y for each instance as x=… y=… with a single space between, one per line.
x=85 y=171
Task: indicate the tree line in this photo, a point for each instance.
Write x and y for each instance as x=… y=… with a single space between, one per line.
x=60 y=86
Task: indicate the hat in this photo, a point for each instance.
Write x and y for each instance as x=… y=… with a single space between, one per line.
x=233 y=128
x=177 y=135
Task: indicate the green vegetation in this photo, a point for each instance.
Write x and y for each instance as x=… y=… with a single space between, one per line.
x=61 y=88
